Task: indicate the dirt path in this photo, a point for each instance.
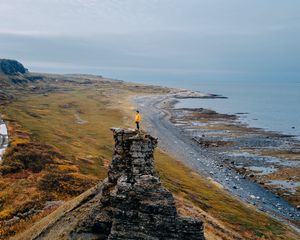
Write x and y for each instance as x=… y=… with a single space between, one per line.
x=178 y=143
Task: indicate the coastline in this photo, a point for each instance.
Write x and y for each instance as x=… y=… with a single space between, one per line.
x=269 y=105
x=104 y=103
x=3 y=138
x=245 y=116
x=178 y=130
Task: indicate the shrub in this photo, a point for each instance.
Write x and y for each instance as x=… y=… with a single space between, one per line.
x=71 y=184
x=31 y=156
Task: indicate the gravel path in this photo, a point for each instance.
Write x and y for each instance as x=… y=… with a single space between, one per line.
x=177 y=142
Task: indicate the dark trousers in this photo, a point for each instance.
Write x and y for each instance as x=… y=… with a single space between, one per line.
x=137 y=125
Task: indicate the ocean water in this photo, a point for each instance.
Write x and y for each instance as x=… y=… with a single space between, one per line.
x=271 y=101
x=271 y=105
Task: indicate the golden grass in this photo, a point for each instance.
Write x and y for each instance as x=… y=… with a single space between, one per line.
x=77 y=122
x=86 y=144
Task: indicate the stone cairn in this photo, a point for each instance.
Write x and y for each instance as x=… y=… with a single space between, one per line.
x=130 y=203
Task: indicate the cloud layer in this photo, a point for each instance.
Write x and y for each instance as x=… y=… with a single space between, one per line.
x=137 y=38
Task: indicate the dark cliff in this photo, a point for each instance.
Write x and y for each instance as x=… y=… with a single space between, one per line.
x=11 y=67
x=131 y=203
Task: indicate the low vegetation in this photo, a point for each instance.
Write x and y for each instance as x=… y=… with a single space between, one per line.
x=61 y=145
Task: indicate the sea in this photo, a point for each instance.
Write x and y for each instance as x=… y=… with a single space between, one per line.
x=274 y=106
x=264 y=103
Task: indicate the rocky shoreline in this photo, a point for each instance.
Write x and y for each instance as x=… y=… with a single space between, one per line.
x=214 y=144
x=268 y=158
x=3 y=138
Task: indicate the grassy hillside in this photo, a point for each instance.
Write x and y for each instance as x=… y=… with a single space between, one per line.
x=64 y=146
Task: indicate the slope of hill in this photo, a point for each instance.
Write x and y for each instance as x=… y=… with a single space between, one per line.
x=60 y=145
x=130 y=203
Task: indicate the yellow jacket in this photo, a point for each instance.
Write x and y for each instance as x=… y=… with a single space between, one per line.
x=138 y=117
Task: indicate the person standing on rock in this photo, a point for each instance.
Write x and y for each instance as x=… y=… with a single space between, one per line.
x=138 y=119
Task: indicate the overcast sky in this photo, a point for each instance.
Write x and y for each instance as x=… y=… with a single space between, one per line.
x=133 y=39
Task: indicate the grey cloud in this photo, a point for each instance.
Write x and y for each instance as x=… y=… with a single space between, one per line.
x=137 y=38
